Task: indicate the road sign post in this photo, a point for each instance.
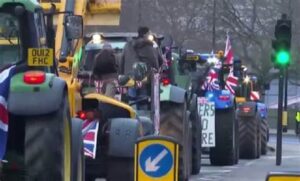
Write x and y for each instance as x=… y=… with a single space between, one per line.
x=156 y=158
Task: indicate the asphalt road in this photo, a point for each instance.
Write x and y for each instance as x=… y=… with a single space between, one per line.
x=255 y=170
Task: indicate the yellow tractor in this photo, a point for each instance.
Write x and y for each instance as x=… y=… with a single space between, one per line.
x=69 y=52
x=120 y=127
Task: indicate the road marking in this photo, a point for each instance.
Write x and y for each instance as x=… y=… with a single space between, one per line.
x=215 y=171
x=283 y=157
x=250 y=163
x=205 y=179
x=230 y=167
x=214 y=177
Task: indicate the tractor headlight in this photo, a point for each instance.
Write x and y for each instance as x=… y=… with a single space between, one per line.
x=247 y=79
x=96 y=39
x=151 y=37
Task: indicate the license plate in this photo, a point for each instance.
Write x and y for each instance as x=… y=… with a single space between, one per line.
x=40 y=57
x=192 y=58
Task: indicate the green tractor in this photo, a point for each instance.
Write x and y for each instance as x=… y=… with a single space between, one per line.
x=182 y=78
x=43 y=141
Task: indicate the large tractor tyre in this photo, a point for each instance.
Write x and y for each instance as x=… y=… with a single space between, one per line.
x=196 y=142
x=48 y=145
x=224 y=153
x=174 y=122
x=120 y=164
x=248 y=131
x=258 y=137
x=147 y=124
x=78 y=163
x=237 y=147
x=264 y=136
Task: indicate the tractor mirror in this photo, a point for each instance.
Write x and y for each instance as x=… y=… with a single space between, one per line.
x=74 y=27
x=289 y=176
x=123 y=79
x=19 y=10
x=267 y=86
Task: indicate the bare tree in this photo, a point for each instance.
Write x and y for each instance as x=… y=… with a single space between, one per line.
x=184 y=20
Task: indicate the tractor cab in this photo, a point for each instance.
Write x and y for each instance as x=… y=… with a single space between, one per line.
x=95 y=42
x=9 y=39
x=17 y=24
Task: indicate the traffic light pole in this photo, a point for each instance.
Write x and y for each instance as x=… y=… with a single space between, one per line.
x=281 y=58
x=279 y=119
x=285 y=114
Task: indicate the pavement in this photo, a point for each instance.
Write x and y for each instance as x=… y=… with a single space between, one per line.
x=289 y=132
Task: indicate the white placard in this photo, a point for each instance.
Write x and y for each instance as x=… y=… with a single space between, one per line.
x=207 y=112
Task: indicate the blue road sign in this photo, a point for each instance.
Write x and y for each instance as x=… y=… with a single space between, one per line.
x=156 y=160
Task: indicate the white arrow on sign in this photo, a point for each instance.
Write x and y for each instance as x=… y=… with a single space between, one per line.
x=151 y=166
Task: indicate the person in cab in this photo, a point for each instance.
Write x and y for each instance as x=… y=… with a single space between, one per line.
x=105 y=70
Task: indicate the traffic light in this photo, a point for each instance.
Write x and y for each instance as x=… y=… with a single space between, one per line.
x=281 y=56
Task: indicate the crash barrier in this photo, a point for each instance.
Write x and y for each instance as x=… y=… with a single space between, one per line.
x=156 y=158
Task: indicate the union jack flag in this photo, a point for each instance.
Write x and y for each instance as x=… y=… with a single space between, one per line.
x=5 y=77
x=231 y=82
x=228 y=52
x=90 y=133
x=211 y=82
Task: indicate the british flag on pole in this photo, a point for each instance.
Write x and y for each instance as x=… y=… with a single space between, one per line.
x=5 y=77
x=90 y=134
x=228 y=52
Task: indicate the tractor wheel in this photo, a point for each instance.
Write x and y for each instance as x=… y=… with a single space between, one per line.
x=196 y=142
x=237 y=147
x=48 y=145
x=258 y=137
x=78 y=161
x=120 y=163
x=264 y=136
x=224 y=153
x=248 y=137
x=174 y=122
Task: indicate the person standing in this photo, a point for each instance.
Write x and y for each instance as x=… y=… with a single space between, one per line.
x=297 y=122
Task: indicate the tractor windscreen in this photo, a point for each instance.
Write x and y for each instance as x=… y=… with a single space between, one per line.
x=10 y=51
x=92 y=50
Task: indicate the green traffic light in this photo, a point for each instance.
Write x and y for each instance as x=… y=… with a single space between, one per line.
x=283 y=57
